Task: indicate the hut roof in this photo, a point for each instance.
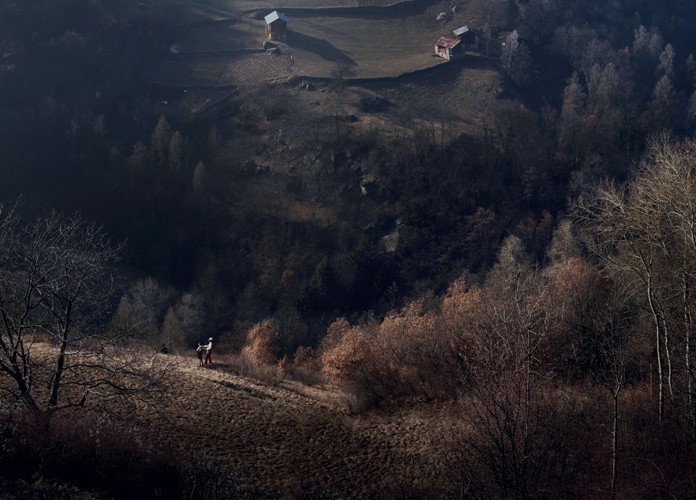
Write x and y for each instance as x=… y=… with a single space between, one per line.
x=274 y=16
x=461 y=31
x=447 y=42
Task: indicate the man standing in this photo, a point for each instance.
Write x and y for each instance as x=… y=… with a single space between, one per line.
x=209 y=351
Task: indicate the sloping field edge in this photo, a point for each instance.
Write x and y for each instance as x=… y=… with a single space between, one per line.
x=402 y=9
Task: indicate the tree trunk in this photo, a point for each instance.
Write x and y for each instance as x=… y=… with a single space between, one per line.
x=668 y=356
x=60 y=365
x=688 y=327
x=615 y=441
x=24 y=386
x=658 y=353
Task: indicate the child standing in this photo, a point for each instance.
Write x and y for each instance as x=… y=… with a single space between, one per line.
x=199 y=352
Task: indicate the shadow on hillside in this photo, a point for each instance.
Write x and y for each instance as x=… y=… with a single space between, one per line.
x=319 y=46
x=393 y=11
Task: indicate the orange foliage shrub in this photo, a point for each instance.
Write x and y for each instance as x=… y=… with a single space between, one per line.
x=417 y=351
x=412 y=351
x=461 y=320
x=260 y=343
x=576 y=277
x=305 y=357
x=343 y=351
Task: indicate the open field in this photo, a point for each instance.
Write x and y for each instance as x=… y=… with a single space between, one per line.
x=224 y=70
x=373 y=40
x=276 y=442
x=282 y=438
x=374 y=44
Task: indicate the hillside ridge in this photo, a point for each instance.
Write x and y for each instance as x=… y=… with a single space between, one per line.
x=274 y=440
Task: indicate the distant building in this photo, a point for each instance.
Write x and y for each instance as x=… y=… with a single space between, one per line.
x=468 y=38
x=448 y=48
x=276 y=26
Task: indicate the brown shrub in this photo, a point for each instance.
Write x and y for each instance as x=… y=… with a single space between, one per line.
x=260 y=347
x=343 y=352
x=282 y=367
x=411 y=352
x=306 y=367
x=305 y=357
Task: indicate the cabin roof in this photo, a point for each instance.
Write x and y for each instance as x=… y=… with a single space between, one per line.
x=274 y=16
x=460 y=31
x=447 y=42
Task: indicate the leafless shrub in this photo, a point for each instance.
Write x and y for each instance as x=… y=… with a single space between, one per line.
x=501 y=450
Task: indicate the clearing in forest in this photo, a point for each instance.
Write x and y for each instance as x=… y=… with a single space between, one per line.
x=371 y=40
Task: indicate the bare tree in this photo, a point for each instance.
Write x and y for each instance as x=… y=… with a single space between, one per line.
x=516 y=58
x=188 y=311
x=644 y=233
x=663 y=108
x=617 y=373
x=601 y=322
x=161 y=137
x=56 y=285
x=572 y=124
x=647 y=43
x=578 y=44
x=148 y=301
x=519 y=437
x=172 y=334
x=666 y=65
x=626 y=245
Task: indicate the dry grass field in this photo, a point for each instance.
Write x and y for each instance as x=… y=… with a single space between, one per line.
x=275 y=442
x=373 y=46
x=224 y=70
x=279 y=438
x=373 y=39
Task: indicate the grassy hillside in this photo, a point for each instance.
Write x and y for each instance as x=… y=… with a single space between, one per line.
x=278 y=442
x=374 y=41
x=251 y=438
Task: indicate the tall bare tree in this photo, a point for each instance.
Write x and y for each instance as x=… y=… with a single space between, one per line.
x=519 y=436
x=55 y=290
x=601 y=321
x=644 y=232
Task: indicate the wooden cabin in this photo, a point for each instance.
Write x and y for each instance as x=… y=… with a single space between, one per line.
x=448 y=48
x=276 y=26
x=468 y=38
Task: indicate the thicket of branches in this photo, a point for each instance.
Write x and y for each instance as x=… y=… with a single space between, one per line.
x=541 y=356
x=56 y=295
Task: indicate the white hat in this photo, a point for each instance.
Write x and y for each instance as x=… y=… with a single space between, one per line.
x=211 y=338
